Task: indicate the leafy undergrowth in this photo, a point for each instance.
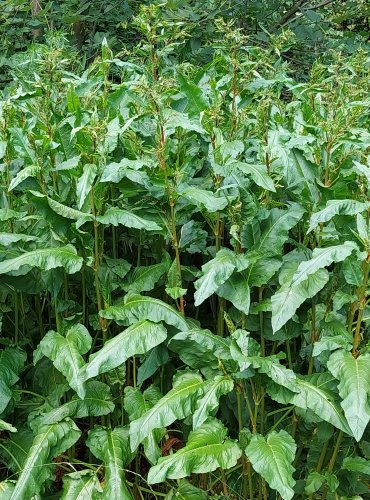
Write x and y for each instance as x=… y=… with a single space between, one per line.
x=185 y=252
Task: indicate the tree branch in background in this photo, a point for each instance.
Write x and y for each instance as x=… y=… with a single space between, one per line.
x=290 y=13
x=300 y=6
x=35 y=9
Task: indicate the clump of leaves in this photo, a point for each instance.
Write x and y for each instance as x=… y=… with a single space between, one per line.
x=184 y=275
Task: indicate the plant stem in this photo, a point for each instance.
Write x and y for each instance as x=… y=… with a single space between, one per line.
x=333 y=460
x=361 y=306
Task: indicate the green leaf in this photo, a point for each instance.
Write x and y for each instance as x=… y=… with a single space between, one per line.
x=177 y=404
x=137 y=403
x=236 y=290
x=196 y=100
x=118 y=216
x=45 y=259
x=275 y=229
x=63 y=210
x=26 y=172
x=66 y=354
x=315 y=393
x=97 y=402
x=203 y=198
x=301 y=176
x=289 y=297
x=85 y=183
x=144 y=278
x=193 y=238
x=112 y=447
x=186 y=491
x=207 y=449
x=11 y=363
x=81 y=485
x=258 y=172
x=136 y=339
x=215 y=273
x=137 y=308
x=68 y=164
x=5 y=426
x=357 y=464
x=336 y=207
x=354 y=388
x=322 y=257
x=22 y=145
x=115 y=172
x=213 y=390
x=7 y=239
x=198 y=347
x=272 y=458
x=50 y=441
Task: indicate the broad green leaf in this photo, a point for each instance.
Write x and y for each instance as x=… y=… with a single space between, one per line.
x=136 y=339
x=137 y=403
x=81 y=485
x=215 y=273
x=186 y=491
x=237 y=291
x=11 y=363
x=144 y=278
x=275 y=229
x=336 y=207
x=207 y=449
x=137 y=307
x=22 y=145
x=85 y=182
x=277 y=372
x=177 y=404
x=7 y=239
x=322 y=257
x=261 y=270
x=26 y=172
x=288 y=298
x=73 y=101
x=156 y=358
x=203 y=198
x=45 y=259
x=5 y=426
x=193 y=238
x=118 y=216
x=97 y=402
x=199 y=348
x=354 y=388
x=131 y=169
x=63 y=210
x=196 y=100
x=301 y=177
x=8 y=214
x=181 y=120
x=66 y=354
x=213 y=390
x=357 y=464
x=112 y=447
x=111 y=138
x=272 y=458
x=352 y=271
x=315 y=393
x=49 y=442
x=68 y=164
x=258 y=172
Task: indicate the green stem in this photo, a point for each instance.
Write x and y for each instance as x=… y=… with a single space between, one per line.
x=361 y=306
x=177 y=251
x=16 y=317
x=333 y=460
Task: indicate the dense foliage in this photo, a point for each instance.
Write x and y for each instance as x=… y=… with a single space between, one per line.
x=184 y=262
